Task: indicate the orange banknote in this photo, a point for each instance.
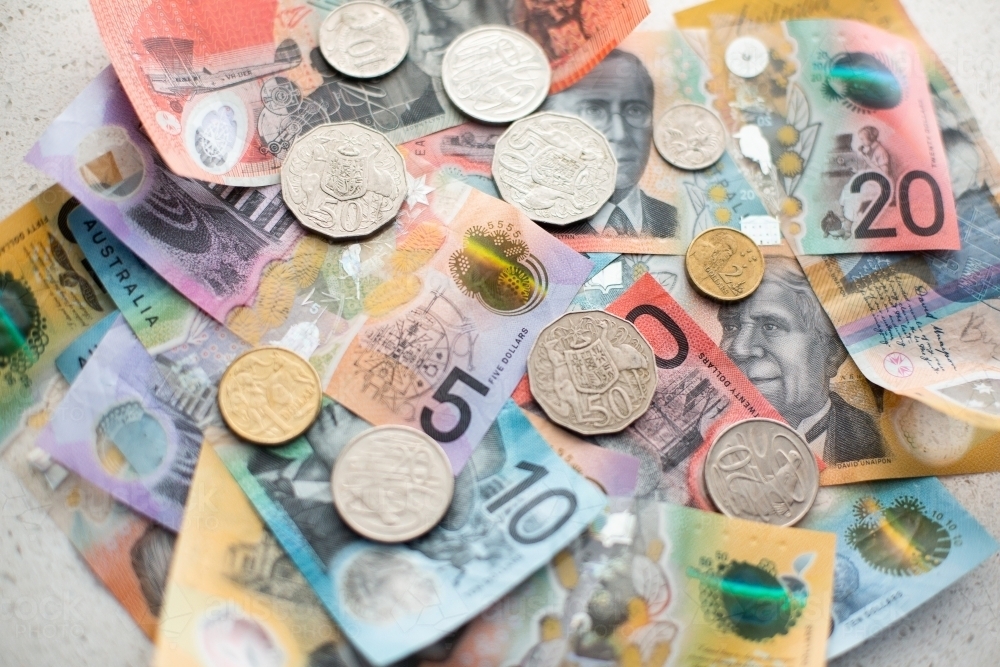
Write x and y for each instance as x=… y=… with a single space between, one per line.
x=224 y=88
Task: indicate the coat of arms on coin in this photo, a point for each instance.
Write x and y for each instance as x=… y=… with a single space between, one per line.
x=343 y=180
x=592 y=372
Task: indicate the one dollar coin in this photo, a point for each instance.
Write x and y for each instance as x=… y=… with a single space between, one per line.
x=269 y=396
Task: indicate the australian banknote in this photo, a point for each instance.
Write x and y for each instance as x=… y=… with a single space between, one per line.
x=663 y=206
x=224 y=89
x=838 y=132
x=699 y=392
x=123 y=428
x=129 y=553
x=781 y=339
x=652 y=584
x=48 y=297
x=898 y=545
x=446 y=338
x=941 y=351
x=71 y=361
x=516 y=504
x=234 y=597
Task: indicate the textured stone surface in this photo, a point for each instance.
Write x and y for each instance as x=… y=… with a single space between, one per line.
x=54 y=612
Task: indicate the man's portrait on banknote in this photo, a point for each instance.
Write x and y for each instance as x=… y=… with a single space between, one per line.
x=783 y=341
x=616 y=97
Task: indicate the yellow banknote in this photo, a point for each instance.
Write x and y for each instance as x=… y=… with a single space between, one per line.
x=47 y=298
x=233 y=596
x=653 y=584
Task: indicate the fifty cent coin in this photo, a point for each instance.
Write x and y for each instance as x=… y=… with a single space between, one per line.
x=269 y=396
x=392 y=483
x=762 y=470
x=364 y=39
x=724 y=264
x=689 y=136
x=343 y=180
x=496 y=74
x=747 y=57
x=554 y=168
x=592 y=372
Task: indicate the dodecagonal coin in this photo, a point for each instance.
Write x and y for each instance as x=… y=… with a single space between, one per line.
x=592 y=372
x=554 y=168
x=343 y=180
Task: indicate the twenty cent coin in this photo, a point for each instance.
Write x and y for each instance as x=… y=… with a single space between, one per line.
x=269 y=395
x=496 y=74
x=689 y=136
x=392 y=483
x=725 y=264
x=554 y=168
x=592 y=372
x=364 y=39
x=747 y=57
x=762 y=470
x=343 y=180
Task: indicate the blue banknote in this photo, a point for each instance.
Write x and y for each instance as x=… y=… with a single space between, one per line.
x=516 y=505
x=899 y=543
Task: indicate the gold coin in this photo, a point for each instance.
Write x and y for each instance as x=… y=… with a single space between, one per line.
x=725 y=264
x=269 y=395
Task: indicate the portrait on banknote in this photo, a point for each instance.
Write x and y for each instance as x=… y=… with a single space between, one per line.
x=616 y=97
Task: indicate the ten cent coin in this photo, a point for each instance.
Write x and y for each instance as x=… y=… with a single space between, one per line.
x=762 y=470
x=343 y=180
x=592 y=372
x=496 y=74
x=554 y=168
x=364 y=39
x=269 y=396
x=392 y=483
x=747 y=57
x=689 y=136
x=725 y=264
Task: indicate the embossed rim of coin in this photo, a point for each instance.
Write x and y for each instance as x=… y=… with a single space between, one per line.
x=800 y=443
x=659 y=137
x=398 y=202
x=743 y=43
x=337 y=483
x=502 y=187
x=242 y=434
x=565 y=423
x=698 y=288
x=446 y=78
x=331 y=21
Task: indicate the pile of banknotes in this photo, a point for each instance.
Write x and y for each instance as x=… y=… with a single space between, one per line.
x=487 y=333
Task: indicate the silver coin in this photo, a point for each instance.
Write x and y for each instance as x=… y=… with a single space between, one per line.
x=496 y=74
x=689 y=136
x=343 y=180
x=592 y=372
x=762 y=470
x=554 y=168
x=747 y=57
x=392 y=483
x=364 y=39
